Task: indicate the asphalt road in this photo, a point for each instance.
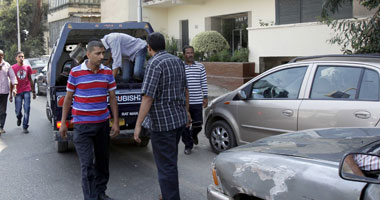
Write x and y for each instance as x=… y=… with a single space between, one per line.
x=30 y=167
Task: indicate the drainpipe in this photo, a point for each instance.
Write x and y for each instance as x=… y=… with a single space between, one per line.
x=139 y=11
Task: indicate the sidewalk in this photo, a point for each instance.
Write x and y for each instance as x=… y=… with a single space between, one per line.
x=215 y=91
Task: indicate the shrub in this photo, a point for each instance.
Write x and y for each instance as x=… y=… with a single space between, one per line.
x=240 y=55
x=209 y=43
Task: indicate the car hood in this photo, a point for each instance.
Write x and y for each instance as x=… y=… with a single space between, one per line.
x=322 y=144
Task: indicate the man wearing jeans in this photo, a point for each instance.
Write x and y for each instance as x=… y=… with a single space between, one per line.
x=124 y=50
x=165 y=107
x=6 y=74
x=24 y=87
x=89 y=84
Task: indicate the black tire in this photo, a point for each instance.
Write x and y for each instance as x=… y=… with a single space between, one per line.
x=48 y=113
x=221 y=137
x=62 y=146
x=36 y=88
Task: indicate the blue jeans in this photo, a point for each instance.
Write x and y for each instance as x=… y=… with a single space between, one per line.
x=24 y=96
x=165 y=151
x=138 y=68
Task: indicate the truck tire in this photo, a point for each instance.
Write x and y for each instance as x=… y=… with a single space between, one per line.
x=48 y=112
x=62 y=146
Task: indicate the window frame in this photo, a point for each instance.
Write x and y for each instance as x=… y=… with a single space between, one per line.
x=358 y=86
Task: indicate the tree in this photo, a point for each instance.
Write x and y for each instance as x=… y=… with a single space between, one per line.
x=32 y=16
x=355 y=36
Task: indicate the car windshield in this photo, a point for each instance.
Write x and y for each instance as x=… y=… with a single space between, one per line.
x=38 y=63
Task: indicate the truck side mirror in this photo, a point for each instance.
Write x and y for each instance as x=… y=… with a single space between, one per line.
x=360 y=167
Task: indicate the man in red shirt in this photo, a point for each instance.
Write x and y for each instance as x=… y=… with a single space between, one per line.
x=24 y=87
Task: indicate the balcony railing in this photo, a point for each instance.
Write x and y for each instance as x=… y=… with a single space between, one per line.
x=53 y=4
x=170 y=3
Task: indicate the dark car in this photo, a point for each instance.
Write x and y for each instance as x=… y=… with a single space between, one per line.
x=40 y=83
x=310 y=164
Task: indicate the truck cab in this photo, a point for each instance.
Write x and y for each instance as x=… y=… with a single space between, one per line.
x=128 y=94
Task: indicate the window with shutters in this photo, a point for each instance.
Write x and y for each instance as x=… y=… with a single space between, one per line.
x=300 y=11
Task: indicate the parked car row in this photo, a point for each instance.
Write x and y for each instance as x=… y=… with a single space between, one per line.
x=39 y=68
x=301 y=97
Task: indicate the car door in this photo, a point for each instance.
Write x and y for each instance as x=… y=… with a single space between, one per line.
x=341 y=95
x=272 y=104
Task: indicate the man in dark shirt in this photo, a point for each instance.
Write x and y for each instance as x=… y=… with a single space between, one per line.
x=164 y=108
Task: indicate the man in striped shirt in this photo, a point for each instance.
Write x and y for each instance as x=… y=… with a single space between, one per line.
x=89 y=84
x=198 y=92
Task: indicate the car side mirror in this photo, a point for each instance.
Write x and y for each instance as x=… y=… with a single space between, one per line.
x=360 y=167
x=242 y=95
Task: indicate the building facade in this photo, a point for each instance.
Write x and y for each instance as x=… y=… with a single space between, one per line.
x=274 y=30
x=63 y=11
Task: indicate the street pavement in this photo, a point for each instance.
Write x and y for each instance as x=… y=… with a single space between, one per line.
x=30 y=167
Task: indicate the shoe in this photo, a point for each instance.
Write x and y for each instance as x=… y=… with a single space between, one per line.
x=195 y=140
x=159 y=197
x=104 y=197
x=187 y=151
x=24 y=130
x=2 y=130
x=18 y=122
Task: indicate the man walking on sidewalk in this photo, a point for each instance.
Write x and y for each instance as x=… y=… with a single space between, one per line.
x=198 y=92
x=6 y=72
x=24 y=87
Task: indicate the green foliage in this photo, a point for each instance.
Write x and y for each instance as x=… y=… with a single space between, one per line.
x=171 y=45
x=354 y=36
x=240 y=55
x=32 y=16
x=209 y=43
x=224 y=56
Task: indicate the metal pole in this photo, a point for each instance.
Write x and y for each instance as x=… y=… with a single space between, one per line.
x=18 y=30
x=139 y=11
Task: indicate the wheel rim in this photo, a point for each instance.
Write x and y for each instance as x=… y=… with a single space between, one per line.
x=220 y=138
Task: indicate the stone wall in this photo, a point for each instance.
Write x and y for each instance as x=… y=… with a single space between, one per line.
x=229 y=75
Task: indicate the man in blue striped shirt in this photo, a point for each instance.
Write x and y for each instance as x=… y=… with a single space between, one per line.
x=198 y=92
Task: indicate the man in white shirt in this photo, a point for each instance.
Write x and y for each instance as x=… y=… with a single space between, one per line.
x=6 y=74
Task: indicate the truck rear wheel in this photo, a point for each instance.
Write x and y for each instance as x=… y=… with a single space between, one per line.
x=62 y=146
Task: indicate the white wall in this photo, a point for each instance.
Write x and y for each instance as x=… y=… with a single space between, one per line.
x=290 y=40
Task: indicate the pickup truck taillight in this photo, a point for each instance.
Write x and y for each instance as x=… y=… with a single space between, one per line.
x=68 y=124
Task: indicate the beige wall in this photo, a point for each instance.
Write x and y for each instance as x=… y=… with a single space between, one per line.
x=116 y=10
x=65 y=13
x=290 y=40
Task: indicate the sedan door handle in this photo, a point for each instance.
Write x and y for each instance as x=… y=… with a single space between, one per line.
x=287 y=113
x=363 y=114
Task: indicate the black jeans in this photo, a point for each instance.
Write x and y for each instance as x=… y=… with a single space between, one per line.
x=92 y=140
x=3 y=109
x=165 y=151
x=197 y=121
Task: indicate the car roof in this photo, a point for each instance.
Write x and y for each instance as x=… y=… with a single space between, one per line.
x=367 y=58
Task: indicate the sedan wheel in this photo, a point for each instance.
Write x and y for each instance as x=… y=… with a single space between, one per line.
x=36 y=88
x=221 y=137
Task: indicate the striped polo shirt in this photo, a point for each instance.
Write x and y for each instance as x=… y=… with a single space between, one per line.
x=196 y=82
x=90 y=93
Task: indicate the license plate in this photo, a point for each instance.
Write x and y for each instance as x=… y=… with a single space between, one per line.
x=121 y=122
